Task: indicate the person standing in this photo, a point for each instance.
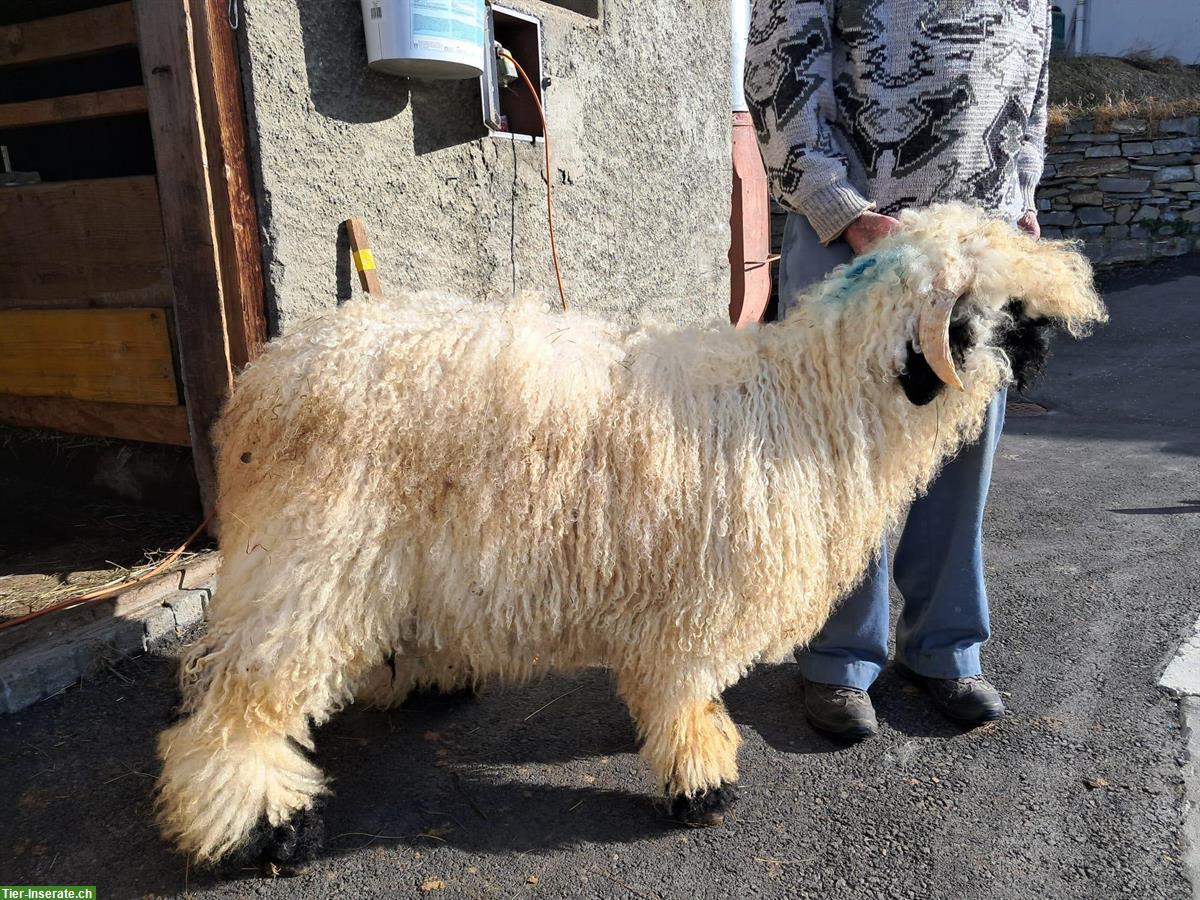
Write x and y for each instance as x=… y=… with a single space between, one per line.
x=863 y=108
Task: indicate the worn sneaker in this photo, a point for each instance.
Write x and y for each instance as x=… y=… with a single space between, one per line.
x=969 y=701
x=843 y=712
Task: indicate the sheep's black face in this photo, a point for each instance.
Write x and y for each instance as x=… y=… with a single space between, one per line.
x=921 y=385
x=1025 y=340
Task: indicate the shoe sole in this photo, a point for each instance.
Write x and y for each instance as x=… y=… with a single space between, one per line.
x=850 y=733
x=990 y=715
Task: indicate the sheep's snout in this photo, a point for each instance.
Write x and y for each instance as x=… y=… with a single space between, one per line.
x=1025 y=340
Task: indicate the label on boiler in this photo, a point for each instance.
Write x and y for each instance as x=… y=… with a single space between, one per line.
x=447 y=24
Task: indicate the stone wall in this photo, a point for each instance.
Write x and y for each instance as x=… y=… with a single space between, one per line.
x=640 y=125
x=1129 y=189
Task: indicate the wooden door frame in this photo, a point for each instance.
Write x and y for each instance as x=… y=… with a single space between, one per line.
x=210 y=221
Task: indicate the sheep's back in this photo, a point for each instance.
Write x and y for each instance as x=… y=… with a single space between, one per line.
x=506 y=470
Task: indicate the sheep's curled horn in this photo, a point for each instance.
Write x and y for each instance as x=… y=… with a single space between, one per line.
x=933 y=327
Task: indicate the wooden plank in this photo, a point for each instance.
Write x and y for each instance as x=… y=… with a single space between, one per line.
x=749 y=227
x=65 y=37
x=107 y=355
x=75 y=627
x=234 y=209
x=364 y=259
x=153 y=424
x=155 y=296
x=45 y=656
x=95 y=241
x=74 y=107
x=166 y=42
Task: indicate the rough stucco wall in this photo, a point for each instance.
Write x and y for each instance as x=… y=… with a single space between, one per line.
x=640 y=130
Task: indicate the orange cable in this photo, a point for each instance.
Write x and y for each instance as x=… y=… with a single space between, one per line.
x=549 y=191
x=101 y=594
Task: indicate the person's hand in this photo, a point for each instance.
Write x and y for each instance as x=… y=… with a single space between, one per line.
x=1029 y=223
x=868 y=229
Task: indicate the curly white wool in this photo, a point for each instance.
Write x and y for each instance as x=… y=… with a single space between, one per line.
x=491 y=491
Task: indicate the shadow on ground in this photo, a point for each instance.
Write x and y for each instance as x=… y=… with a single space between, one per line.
x=484 y=776
x=436 y=771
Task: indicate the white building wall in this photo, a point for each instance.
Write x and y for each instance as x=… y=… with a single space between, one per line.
x=1118 y=27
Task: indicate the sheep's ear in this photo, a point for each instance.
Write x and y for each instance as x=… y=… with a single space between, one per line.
x=1056 y=282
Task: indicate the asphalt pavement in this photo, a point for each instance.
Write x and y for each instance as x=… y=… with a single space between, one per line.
x=537 y=791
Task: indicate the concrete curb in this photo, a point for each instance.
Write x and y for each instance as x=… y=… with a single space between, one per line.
x=1189 y=711
x=1182 y=675
x=48 y=655
x=1181 y=678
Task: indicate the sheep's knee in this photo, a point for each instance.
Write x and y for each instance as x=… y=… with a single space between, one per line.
x=692 y=749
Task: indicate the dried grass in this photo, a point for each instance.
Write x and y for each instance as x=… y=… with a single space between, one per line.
x=57 y=541
x=22 y=595
x=1105 y=88
x=1110 y=109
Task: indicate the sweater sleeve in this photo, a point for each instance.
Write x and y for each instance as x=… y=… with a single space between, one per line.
x=789 y=90
x=1032 y=156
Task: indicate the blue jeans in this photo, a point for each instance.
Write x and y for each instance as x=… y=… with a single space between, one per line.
x=939 y=560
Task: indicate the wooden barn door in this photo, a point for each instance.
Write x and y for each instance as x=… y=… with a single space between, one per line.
x=130 y=274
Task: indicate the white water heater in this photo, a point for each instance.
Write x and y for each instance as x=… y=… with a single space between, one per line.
x=426 y=38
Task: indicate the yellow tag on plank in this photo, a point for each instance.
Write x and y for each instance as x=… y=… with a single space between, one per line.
x=364 y=259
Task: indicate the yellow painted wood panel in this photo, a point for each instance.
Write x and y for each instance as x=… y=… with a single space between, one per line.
x=108 y=355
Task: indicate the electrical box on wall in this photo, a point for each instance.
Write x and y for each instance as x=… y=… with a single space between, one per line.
x=508 y=109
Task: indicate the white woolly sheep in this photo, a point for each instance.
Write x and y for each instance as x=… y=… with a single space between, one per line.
x=478 y=492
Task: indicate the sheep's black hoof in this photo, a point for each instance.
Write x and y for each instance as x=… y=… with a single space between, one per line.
x=284 y=851
x=705 y=809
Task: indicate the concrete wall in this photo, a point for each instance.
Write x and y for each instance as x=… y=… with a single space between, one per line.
x=1129 y=189
x=640 y=129
x=1160 y=27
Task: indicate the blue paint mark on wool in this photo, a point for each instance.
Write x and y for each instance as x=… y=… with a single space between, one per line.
x=859 y=267
x=852 y=279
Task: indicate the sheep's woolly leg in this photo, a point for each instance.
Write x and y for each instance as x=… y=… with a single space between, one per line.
x=691 y=745
x=386 y=685
x=236 y=781
x=235 y=777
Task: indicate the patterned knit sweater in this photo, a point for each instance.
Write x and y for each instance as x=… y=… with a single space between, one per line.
x=886 y=104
